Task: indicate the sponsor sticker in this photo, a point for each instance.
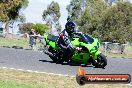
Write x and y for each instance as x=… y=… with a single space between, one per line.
x=83 y=78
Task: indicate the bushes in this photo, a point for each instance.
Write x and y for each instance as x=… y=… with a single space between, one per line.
x=40 y=28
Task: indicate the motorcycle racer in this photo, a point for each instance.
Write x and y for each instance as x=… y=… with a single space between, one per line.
x=65 y=37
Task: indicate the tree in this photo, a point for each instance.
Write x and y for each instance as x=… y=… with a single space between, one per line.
x=52 y=15
x=117 y=23
x=41 y=28
x=21 y=18
x=74 y=10
x=9 y=10
x=91 y=21
x=25 y=27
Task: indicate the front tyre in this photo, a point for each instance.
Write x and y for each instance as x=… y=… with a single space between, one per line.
x=101 y=61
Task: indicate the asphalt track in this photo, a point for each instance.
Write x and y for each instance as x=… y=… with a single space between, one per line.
x=38 y=61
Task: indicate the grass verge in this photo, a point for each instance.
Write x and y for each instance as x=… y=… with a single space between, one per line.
x=22 y=79
x=14 y=42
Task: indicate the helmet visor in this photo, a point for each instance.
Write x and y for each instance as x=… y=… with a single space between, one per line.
x=70 y=29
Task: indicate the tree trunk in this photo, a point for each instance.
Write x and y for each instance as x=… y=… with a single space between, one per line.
x=7 y=27
x=54 y=30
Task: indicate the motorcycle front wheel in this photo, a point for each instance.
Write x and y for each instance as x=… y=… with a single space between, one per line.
x=102 y=61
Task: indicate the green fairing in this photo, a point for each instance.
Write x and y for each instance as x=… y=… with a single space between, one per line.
x=83 y=57
x=79 y=57
x=93 y=48
x=75 y=42
x=51 y=43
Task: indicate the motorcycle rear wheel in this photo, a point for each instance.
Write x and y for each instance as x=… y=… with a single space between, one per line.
x=56 y=58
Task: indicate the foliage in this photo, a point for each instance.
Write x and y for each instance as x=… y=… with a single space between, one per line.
x=25 y=27
x=74 y=10
x=52 y=14
x=117 y=25
x=41 y=28
x=91 y=20
x=58 y=27
x=9 y=9
x=21 y=18
x=53 y=11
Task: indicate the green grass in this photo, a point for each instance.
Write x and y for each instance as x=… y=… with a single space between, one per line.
x=14 y=42
x=13 y=84
x=129 y=49
x=22 y=79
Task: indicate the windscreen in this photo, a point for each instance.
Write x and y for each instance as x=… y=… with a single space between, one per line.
x=87 y=39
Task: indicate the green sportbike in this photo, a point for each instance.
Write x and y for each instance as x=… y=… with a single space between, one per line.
x=85 y=50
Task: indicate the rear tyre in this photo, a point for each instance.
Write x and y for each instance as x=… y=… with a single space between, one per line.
x=56 y=58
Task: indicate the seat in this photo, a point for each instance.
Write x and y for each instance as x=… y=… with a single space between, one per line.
x=52 y=37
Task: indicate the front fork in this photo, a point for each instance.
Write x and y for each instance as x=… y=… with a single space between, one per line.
x=95 y=54
x=93 y=57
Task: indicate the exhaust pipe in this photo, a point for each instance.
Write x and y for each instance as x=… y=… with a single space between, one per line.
x=48 y=53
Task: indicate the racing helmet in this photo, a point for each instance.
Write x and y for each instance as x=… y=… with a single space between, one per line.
x=70 y=27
